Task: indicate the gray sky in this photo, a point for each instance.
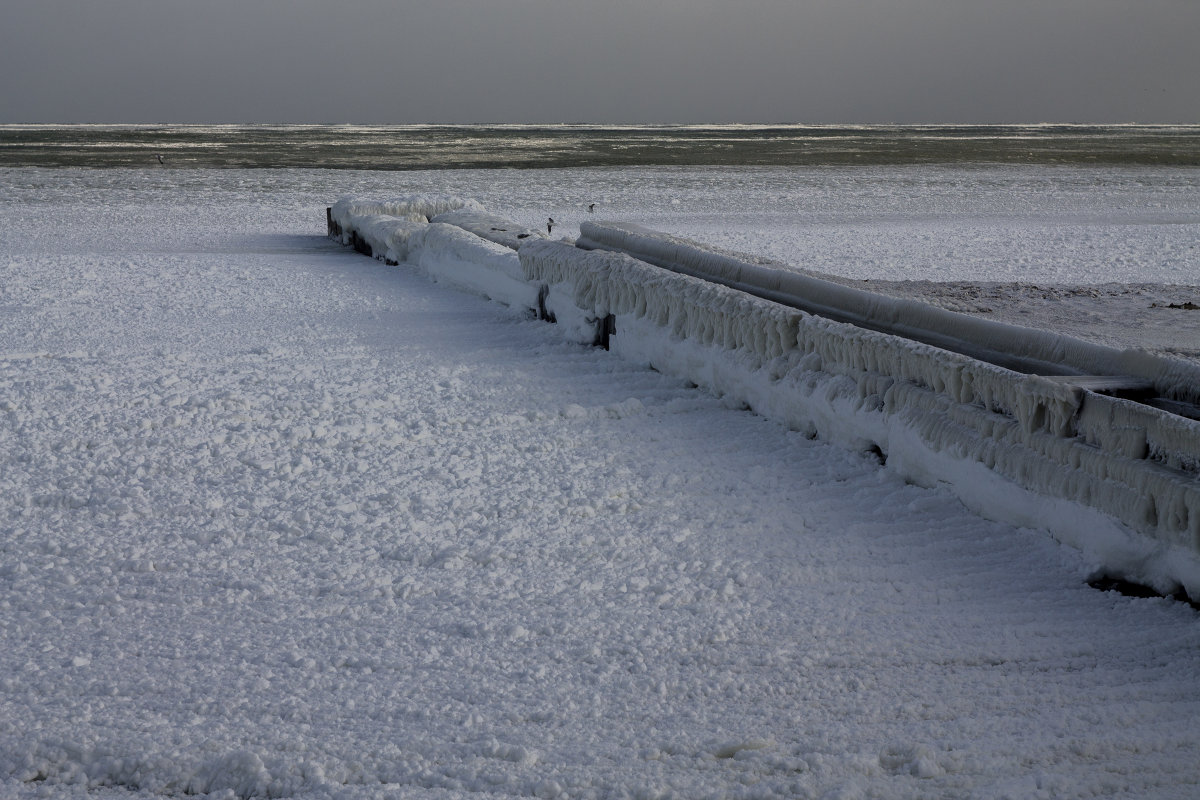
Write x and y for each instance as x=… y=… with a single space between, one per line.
x=410 y=61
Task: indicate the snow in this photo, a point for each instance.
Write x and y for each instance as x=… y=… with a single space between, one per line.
x=452 y=255
x=281 y=520
x=447 y=251
x=412 y=208
x=489 y=226
x=936 y=415
x=385 y=235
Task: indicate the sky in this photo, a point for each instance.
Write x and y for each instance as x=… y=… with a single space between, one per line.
x=617 y=61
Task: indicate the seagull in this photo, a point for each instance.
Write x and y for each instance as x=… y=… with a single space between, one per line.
x=549 y=225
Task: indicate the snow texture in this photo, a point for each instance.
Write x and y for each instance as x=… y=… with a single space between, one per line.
x=936 y=416
x=277 y=520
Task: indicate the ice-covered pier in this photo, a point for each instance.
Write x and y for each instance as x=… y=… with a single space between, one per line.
x=1097 y=445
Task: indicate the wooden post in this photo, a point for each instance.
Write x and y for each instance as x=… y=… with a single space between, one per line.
x=542 y=312
x=605 y=328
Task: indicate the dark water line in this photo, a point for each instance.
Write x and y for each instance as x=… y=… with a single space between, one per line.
x=526 y=147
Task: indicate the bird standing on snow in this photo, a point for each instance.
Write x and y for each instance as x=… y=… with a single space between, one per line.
x=159 y=158
x=549 y=225
x=591 y=207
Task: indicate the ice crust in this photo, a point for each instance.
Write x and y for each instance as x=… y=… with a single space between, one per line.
x=933 y=414
x=385 y=236
x=452 y=255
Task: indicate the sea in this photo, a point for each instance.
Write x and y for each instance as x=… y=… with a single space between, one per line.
x=410 y=147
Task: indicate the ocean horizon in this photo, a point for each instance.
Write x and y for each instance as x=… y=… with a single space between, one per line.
x=519 y=146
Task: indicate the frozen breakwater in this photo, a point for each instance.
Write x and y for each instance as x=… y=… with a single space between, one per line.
x=1024 y=426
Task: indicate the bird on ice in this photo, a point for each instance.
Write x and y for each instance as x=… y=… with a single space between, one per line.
x=549 y=225
x=591 y=207
x=160 y=159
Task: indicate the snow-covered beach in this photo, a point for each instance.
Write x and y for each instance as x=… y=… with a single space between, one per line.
x=283 y=521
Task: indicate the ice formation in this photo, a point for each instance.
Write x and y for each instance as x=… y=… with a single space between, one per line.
x=1021 y=349
x=1115 y=478
x=489 y=226
x=452 y=255
x=445 y=248
x=414 y=207
x=380 y=235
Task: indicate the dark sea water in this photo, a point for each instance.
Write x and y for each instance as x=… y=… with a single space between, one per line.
x=530 y=146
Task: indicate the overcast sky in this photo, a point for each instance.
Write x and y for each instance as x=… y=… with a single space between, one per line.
x=411 y=61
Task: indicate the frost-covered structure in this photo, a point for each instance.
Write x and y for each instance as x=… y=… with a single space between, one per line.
x=381 y=236
x=452 y=255
x=997 y=413
x=1024 y=448
x=444 y=249
x=1021 y=349
x=413 y=207
x=489 y=226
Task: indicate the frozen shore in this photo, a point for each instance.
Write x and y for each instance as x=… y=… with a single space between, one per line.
x=1097 y=445
x=280 y=520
